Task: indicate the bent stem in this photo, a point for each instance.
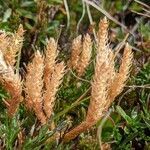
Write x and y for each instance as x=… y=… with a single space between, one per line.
x=100 y=127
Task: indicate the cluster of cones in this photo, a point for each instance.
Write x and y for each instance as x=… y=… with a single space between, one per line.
x=44 y=75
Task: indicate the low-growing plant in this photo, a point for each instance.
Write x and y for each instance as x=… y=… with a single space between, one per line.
x=37 y=89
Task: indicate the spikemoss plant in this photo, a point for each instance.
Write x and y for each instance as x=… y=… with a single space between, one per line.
x=45 y=74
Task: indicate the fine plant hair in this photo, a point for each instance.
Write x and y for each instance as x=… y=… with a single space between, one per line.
x=107 y=83
x=81 y=54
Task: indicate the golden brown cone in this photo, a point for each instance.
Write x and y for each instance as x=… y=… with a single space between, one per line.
x=51 y=54
x=103 y=34
x=4 y=42
x=28 y=99
x=50 y=59
x=99 y=91
x=75 y=52
x=34 y=86
x=12 y=83
x=123 y=74
x=15 y=45
x=50 y=93
x=85 y=55
x=103 y=47
x=112 y=70
x=14 y=87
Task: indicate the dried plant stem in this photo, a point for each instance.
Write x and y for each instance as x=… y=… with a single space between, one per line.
x=99 y=131
x=120 y=45
x=99 y=8
x=145 y=5
x=91 y=20
x=76 y=131
x=67 y=12
x=82 y=16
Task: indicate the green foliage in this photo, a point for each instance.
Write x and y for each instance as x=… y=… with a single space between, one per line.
x=143 y=77
x=129 y=124
x=9 y=131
